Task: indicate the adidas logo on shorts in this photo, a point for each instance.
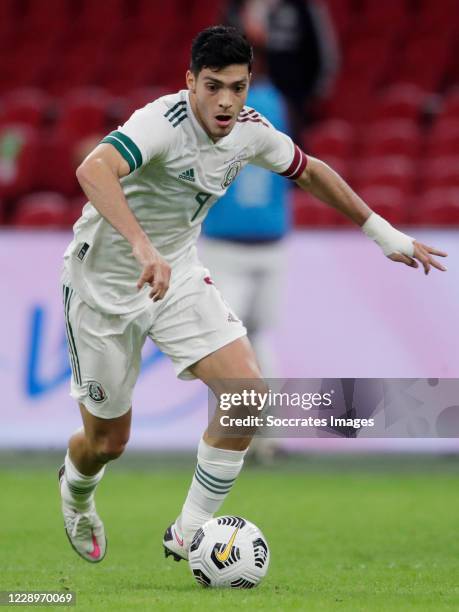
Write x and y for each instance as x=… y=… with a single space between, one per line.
x=187 y=175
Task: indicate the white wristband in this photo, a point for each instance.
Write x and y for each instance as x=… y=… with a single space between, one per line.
x=387 y=237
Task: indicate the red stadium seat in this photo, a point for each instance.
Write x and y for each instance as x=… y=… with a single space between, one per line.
x=56 y=165
x=46 y=209
x=45 y=25
x=309 y=211
x=439 y=172
x=414 y=68
x=153 y=28
x=351 y=100
x=395 y=172
x=391 y=138
x=84 y=112
x=450 y=110
x=443 y=139
x=437 y=17
x=341 y=16
x=163 y=63
x=334 y=138
x=78 y=66
x=437 y=207
x=452 y=73
x=356 y=64
x=99 y=18
x=389 y=202
x=152 y=19
x=41 y=13
x=27 y=66
x=75 y=208
x=45 y=21
x=131 y=73
x=27 y=106
x=19 y=152
x=8 y=10
x=404 y=101
x=376 y=16
x=8 y=20
x=203 y=13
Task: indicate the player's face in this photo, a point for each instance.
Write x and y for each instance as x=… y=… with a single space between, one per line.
x=217 y=97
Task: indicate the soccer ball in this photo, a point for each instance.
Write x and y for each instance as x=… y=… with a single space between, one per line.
x=229 y=551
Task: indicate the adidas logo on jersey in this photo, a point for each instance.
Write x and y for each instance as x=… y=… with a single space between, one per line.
x=187 y=175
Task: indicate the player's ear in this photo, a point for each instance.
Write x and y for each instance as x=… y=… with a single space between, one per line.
x=191 y=81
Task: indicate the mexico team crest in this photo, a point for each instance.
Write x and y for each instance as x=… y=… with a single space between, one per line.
x=96 y=391
x=231 y=173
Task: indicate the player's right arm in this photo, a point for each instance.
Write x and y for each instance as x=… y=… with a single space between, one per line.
x=99 y=176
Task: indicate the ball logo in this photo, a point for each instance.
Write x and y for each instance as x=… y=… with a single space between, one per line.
x=225 y=553
x=96 y=391
x=231 y=174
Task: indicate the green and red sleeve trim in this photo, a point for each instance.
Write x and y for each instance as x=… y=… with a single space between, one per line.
x=299 y=162
x=126 y=147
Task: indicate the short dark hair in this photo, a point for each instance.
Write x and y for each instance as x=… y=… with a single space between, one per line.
x=220 y=46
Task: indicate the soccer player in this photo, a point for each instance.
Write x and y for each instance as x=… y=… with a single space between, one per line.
x=132 y=271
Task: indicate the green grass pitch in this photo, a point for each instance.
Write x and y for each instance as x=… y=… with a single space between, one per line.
x=346 y=534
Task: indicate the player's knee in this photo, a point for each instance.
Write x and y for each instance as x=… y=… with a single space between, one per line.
x=109 y=448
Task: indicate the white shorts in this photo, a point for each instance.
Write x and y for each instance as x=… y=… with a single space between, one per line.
x=190 y=322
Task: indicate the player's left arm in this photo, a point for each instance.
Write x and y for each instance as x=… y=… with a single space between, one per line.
x=325 y=184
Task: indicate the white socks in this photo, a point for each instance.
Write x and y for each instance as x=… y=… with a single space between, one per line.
x=77 y=489
x=215 y=473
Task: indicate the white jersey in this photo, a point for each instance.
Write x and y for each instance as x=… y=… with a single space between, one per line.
x=177 y=173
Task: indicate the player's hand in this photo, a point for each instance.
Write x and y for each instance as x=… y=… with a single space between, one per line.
x=422 y=253
x=156 y=272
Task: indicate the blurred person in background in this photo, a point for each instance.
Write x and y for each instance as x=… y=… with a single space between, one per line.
x=245 y=248
x=301 y=49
